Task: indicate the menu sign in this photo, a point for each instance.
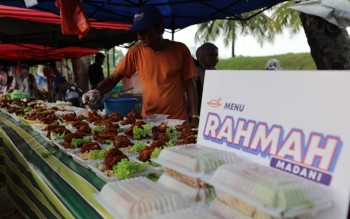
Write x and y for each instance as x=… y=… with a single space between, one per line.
x=293 y=121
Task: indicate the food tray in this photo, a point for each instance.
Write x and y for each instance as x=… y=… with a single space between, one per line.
x=194 y=160
x=193 y=193
x=139 y=198
x=94 y=166
x=267 y=191
x=197 y=212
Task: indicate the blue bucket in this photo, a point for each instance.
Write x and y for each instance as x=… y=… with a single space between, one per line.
x=119 y=105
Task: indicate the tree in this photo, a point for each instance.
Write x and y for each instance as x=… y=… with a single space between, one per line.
x=329 y=44
x=262 y=26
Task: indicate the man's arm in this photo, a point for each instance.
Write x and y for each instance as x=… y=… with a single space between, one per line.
x=193 y=99
x=107 y=84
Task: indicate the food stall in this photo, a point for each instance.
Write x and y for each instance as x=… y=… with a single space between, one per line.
x=244 y=164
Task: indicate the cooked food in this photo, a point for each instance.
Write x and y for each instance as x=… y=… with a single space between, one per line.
x=113 y=117
x=189 y=140
x=134 y=115
x=68 y=137
x=145 y=154
x=187 y=133
x=121 y=141
x=113 y=156
x=89 y=146
x=93 y=116
x=104 y=136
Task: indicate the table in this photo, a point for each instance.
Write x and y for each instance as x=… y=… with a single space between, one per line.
x=43 y=181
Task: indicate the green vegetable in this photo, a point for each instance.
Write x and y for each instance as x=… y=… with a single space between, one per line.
x=16 y=94
x=170 y=143
x=140 y=133
x=57 y=136
x=171 y=132
x=99 y=154
x=138 y=146
x=124 y=168
x=155 y=154
x=77 y=142
x=98 y=128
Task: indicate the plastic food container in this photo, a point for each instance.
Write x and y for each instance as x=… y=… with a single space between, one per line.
x=188 y=163
x=224 y=211
x=139 y=198
x=119 y=105
x=189 y=213
x=195 y=194
x=263 y=192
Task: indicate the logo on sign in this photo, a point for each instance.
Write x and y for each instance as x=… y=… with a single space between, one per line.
x=214 y=103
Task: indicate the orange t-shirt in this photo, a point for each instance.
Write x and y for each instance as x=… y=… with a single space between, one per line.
x=163 y=75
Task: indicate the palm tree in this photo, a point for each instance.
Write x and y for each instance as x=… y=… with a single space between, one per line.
x=256 y=23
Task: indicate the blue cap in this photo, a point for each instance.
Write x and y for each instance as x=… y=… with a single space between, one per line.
x=58 y=80
x=145 y=18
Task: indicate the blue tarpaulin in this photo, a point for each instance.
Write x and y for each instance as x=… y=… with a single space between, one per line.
x=178 y=14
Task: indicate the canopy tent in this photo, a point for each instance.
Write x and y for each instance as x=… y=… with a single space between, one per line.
x=26 y=26
x=11 y=54
x=41 y=53
x=178 y=14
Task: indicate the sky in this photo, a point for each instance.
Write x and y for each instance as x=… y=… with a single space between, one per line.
x=247 y=45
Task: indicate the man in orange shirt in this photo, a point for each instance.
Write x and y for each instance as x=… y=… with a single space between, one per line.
x=166 y=70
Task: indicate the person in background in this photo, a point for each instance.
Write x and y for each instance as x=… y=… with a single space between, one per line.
x=24 y=81
x=165 y=67
x=65 y=92
x=40 y=77
x=96 y=71
x=50 y=71
x=207 y=58
x=273 y=64
x=3 y=77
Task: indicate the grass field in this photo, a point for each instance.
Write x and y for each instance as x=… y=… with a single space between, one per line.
x=290 y=61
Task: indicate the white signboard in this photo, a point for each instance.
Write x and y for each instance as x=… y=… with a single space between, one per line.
x=294 y=121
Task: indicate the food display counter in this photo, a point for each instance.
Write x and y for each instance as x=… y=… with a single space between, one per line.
x=43 y=181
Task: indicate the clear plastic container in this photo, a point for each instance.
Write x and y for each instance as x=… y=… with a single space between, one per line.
x=140 y=198
x=174 y=122
x=193 y=193
x=261 y=192
x=189 y=213
x=194 y=159
x=224 y=211
x=188 y=163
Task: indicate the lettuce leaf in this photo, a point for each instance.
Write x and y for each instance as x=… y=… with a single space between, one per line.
x=124 y=168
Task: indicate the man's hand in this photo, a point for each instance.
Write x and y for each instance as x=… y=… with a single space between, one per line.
x=91 y=97
x=195 y=121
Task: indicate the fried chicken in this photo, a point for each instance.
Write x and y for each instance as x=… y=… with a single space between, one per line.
x=113 y=156
x=121 y=141
x=89 y=146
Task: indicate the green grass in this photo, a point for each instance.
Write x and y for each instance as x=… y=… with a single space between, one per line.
x=289 y=61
